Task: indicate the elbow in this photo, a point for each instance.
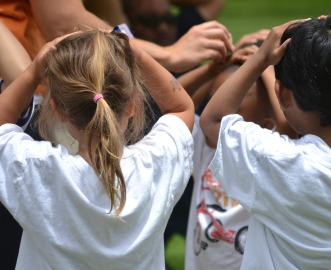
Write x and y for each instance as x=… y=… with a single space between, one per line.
x=209 y=127
x=204 y=123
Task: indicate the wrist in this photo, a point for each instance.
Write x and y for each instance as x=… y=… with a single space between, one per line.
x=261 y=59
x=36 y=73
x=169 y=59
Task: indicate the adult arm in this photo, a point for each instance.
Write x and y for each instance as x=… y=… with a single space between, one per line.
x=109 y=10
x=231 y=94
x=169 y=95
x=283 y=127
x=207 y=41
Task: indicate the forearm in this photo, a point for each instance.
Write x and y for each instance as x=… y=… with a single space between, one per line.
x=202 y=94
x=230 y=95
x=18 y=96
x=64 y=19
x=165 y=89
x=13 y=57
x=109 y=10
x=160 y=54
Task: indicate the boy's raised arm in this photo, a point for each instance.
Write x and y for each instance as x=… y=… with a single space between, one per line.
x=228 y=98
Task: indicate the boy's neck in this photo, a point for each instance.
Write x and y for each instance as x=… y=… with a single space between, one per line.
x=311 y=125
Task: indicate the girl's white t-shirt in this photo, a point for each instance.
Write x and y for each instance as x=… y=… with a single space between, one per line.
x=63 y=209
x=286 y=187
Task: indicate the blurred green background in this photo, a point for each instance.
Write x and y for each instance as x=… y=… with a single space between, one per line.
x=243 y=17
x=246 y=16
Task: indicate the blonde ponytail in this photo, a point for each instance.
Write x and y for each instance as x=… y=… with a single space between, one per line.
x=83 y=66
x=104 y=129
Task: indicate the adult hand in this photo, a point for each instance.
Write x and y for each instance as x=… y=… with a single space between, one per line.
x=252 y=38
x=39 y=64
x=210 y=40
x=271 y=50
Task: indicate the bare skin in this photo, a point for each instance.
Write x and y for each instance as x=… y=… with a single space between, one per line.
x=159 y=85
x=13 y=61
x=230 y=95
x=57 y=18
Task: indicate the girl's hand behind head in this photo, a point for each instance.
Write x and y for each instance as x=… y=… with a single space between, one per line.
x=39 y=64
x=271 y=50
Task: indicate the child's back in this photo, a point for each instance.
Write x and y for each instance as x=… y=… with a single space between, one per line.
x=69 y=207
x=218 y=224
x=285 y=184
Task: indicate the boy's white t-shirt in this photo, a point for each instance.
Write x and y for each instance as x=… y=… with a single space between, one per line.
x=217 y=225
x=286 y=186
x=63 y=209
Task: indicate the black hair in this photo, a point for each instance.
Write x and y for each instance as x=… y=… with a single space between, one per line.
x=305 y=68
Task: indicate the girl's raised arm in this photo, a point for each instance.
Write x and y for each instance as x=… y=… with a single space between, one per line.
x=13 y=57
x=169 y=95
x=18 y=95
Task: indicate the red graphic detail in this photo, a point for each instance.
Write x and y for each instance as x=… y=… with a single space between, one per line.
x=216 y=230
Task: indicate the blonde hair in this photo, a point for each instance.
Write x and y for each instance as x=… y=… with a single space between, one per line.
x=84 y=65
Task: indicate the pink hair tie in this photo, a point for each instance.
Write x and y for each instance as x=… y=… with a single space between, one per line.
x=97 y=97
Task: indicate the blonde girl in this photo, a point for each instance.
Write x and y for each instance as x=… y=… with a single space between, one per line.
x=106 y=207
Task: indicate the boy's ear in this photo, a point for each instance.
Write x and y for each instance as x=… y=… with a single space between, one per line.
x=58 y=114
x=268 y=123
x=283 y=94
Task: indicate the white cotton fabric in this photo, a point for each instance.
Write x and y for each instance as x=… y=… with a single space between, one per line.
x=62 y=206
x=207 y=245
x=286 y=186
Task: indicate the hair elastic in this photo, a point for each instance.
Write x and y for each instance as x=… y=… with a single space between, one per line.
x=97 y=97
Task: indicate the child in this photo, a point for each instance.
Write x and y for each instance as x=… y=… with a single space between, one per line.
x=106 y=207
x=218 y=225
x=283 y=183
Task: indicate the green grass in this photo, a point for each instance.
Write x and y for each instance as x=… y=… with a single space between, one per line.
x=175 y=252
x=242 y=17
x=246 y=16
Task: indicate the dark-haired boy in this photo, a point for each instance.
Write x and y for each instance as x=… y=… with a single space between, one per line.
x=285 y=184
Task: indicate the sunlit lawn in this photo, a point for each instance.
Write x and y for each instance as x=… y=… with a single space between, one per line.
x=242 y=17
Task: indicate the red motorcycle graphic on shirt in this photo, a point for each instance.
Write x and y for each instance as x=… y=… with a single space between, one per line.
x=209 y=222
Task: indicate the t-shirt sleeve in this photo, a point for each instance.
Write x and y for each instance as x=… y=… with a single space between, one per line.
x=234 y=163
x=11 y=164
x=166 y=153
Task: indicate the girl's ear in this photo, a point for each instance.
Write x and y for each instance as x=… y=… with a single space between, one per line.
x=283 y=94
x=130 y=110
x=58 y=114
